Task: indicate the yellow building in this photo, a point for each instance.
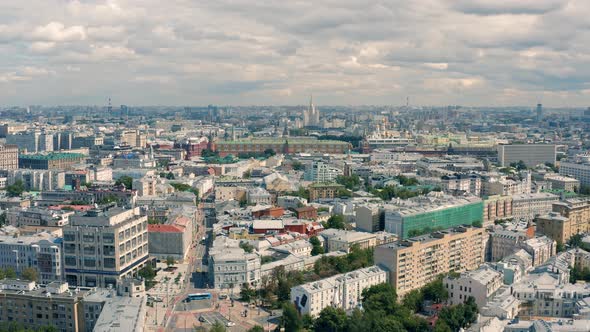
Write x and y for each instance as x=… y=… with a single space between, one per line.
x=414 y=262
x=569 y=217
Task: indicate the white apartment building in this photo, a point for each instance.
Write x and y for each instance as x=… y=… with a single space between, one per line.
x=480 y=284
x=37 y=179
x=291 y=202
x=507 y=185
x=102 y=247
x=528 y=206
x=340 y=291
x=34 y=216
x=41 y=251
x=318 y=171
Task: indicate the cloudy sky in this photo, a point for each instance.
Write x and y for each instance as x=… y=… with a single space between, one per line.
x=244 y=52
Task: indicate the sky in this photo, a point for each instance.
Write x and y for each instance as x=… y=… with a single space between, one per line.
x=267 y=52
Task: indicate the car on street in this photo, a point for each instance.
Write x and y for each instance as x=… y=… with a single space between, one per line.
x=230 y=324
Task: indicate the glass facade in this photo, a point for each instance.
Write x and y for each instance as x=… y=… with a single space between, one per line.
x=442 y=219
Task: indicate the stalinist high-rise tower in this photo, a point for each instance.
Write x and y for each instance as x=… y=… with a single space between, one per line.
x=311 y=116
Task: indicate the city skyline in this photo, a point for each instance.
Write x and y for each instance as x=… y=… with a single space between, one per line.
x=436 y=52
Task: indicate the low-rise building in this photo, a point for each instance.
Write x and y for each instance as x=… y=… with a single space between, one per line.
x=343 y=240
x=340 y=291
x=230 y=266
x=481 y=284
x=561 y=182
x=324 y=191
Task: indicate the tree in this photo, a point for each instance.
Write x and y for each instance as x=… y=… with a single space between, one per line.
x=459 y=316
x=9 y=273
x=413 y=300
x=170 y=176
x=435 y=290
x=335 y=221
x=352 y=182
x=575 y=241
x=16 y=189
x=30 y=274
x=317 y=246
x=380 y=298
x=247 y=293
x=269 y=152
x=291 y=320
x=520 y=165
x=256 y=328
x=331 y=319
x=297 y=166
x=217 y=327
x=170 y=261
x=2 y=219
x=246 y=246
x=147 y=272
x=126 y=181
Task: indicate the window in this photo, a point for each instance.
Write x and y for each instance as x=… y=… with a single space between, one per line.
x=89 y=262
x=70 y=260
x=108 y=238
x=109 y=263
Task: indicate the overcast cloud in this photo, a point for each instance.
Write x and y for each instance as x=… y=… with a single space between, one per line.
x=244 y=52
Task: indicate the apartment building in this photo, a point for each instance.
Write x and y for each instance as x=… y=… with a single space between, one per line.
x=414 y=262
x=8 y=157
x=370 y=218
x=324 y=191
x=34 y=216
x=561 y=182
x=496 y=208
x=577 y=168
x=481 y=284
x=318 y=171
x=528 y=206
x=507 y=185
x=340 y=291
x=568 y=218
x=462 y=183
x=23 y=302
x=103 y=246
x=434 y=211
x=41 y=252
x=52 y=160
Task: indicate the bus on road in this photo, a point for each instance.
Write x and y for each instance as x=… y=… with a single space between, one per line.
x=198 y=296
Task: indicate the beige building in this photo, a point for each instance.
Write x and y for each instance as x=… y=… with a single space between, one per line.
x=8 y=157
x=342 y=240
x=496 y=208
x=26 y=304
x=103 y=246
x=529 y=206
x=562 y=182
x=324 y=190
x=416 y=261
x=568 y=218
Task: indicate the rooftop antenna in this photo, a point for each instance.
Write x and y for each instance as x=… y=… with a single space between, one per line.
x=407 y=101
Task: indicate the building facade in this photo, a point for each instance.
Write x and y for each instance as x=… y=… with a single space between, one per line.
x=414 y=262
x=342 y=291
x=8 y=157
x=531 y=154
x=103 y=246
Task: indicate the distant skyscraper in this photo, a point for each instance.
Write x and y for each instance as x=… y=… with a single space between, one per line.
x=311 y=116
x=539 y=112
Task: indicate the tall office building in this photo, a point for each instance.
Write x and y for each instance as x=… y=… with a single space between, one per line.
x=311 y=116
x=102 y=247
x=539 y=112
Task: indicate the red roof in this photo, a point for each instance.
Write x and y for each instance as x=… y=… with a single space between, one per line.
x=156 y=228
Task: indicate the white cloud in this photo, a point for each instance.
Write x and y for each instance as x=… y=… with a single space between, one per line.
x=58 y=32
x=269 y=52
